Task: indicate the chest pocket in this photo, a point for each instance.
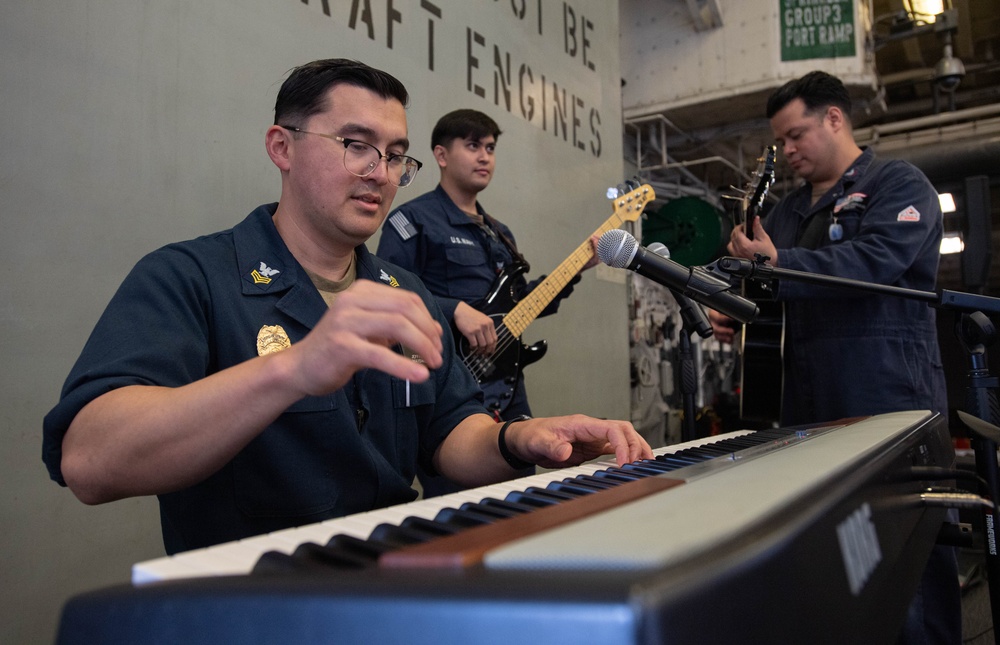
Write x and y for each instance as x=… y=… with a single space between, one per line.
x=284 y=471
x=851 y=222
x=413 y=407
x=469 y=276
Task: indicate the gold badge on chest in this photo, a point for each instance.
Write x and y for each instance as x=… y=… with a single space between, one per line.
x=272 y=338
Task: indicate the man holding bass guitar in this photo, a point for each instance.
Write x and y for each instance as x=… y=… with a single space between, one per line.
x=849 y=352
x=465 y=256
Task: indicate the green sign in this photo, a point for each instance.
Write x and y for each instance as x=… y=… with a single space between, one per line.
x=817 y=29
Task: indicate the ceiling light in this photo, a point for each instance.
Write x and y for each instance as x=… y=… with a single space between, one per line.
x=952 y=243
x=947 y=201
x=927 y=8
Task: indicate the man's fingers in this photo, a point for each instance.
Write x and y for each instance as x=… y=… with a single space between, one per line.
x=379 y=299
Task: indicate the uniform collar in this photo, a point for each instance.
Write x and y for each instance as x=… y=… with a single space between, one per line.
x=858 y=168
x=456 y=216
x=267 y=267
x=851 y=176
x=265 y=263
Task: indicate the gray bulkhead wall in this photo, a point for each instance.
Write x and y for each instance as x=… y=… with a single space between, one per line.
x=131 y=124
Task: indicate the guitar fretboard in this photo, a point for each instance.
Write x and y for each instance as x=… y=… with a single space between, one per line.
x=627 y=208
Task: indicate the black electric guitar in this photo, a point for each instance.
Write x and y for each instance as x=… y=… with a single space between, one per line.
x=499 y=372
x=761 y=342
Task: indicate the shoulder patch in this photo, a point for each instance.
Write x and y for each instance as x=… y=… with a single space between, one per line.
x=402 y=225
x=908 y=214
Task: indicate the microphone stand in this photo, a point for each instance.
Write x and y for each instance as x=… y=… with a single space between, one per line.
x=976 y=333
x=693 y=320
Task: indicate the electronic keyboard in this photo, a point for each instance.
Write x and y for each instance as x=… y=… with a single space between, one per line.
x=808 y=534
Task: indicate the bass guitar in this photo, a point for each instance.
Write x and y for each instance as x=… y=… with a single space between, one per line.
x=499 y=373
x=761 y=342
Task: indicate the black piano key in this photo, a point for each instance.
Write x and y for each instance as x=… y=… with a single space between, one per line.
x=509 y=504
x=591 y=482
x=312 y=555
x=496 y=512
x=640 y=468
x=396 y=535
x=531 y=499
x=613 y=474
x=568 y=485
x=431 y=527
x=699 y=454
x=764 y=436
x=660 y=466
x=357 y=546
x=741 y=442
x=463 y=518
x=276 y=562
x=621 y=471
x=709 y=451
x=564 y=496
x=678 y=460
x=604 y=482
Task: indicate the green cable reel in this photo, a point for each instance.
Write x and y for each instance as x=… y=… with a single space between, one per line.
x=689 y=227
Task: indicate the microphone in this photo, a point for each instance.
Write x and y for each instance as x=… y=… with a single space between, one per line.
x=691 y=312
x=618 y=249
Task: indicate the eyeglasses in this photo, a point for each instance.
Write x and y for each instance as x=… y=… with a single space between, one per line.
x=361 y=159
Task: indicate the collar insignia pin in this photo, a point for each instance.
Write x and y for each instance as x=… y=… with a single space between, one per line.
x=386 y=278
x=264 y=274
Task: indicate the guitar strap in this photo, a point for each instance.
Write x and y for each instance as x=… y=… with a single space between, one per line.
x=815 y=229
x=495 y=227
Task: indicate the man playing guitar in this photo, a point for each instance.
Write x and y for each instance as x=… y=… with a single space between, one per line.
x=460 y=252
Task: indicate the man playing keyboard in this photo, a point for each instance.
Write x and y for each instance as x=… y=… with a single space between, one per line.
x=277 y=374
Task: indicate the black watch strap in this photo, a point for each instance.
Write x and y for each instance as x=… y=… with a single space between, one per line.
x=512 y=460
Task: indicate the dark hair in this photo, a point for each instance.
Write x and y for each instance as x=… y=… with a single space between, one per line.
x=304 y=92
x=463 y=124
x=818 y=90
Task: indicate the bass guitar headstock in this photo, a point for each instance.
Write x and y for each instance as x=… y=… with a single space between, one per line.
x=630 y=199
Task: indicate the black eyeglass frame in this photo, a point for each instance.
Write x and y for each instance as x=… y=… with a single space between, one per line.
x=406 y=160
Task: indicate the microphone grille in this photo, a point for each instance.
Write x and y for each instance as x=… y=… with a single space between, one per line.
x=660 y=249
x=616 y=248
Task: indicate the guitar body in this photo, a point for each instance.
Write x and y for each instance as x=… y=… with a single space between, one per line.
x=499 y=373
x=761 y=366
